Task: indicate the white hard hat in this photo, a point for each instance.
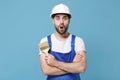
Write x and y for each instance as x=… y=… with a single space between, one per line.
x=60 y=8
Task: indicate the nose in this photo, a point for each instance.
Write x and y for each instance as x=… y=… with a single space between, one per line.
x=61 y=20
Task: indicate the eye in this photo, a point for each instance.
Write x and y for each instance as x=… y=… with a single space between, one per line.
x=57 y=18
x=65 y=18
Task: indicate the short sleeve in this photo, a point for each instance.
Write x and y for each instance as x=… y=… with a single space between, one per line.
x=42 y=40
x=79 y=44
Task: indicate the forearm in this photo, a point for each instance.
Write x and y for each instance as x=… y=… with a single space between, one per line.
x=74 y=67
x=77 y=66
x=49 y=70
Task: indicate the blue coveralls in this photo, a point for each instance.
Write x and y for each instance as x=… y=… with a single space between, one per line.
x=65 y=57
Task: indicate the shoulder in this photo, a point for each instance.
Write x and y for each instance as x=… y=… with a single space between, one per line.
x=79 y=44
x=78 y=39
x=44 y=39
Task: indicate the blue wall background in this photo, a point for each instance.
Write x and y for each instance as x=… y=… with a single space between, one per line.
x=24 y=22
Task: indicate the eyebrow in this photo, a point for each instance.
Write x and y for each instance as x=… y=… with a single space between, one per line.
x=59 y=16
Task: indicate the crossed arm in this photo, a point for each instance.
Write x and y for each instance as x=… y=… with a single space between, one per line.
x=51 y=66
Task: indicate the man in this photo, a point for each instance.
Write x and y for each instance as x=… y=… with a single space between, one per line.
x=66 y=56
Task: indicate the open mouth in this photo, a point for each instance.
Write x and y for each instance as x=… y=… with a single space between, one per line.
x=61 y=27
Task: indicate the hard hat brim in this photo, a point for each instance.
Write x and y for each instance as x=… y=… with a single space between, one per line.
x=53 y=15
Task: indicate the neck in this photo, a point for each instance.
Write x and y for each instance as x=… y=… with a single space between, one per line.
x=61 y=37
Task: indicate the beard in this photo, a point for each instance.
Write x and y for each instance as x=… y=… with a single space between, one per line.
x=61 y=29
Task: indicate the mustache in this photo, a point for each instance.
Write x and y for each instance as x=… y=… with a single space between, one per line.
x=61 y=25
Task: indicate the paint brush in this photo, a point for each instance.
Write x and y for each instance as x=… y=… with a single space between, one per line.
x=44 y=47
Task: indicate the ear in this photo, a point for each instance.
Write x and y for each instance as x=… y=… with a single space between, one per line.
x=52 y=20
x=69 y=20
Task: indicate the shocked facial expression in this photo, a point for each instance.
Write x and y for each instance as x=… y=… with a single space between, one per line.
x=61 y=22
